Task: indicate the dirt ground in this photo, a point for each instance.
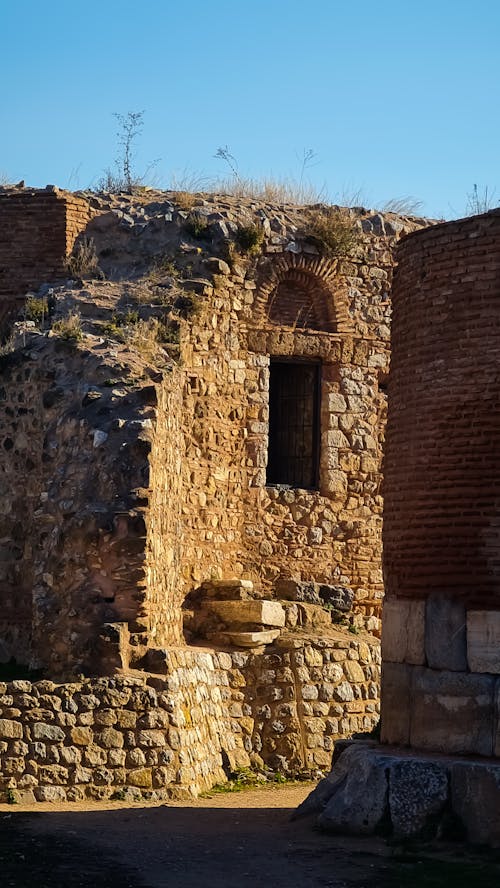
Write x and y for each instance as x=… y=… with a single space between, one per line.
x=225 y=841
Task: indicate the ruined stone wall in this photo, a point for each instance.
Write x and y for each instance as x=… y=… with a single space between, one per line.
x=75 y=446
x=441 y=637
x=235 y=525
x=156 y=736
x=38 y=231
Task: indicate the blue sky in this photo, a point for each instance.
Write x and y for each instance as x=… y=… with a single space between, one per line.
x=395 y=98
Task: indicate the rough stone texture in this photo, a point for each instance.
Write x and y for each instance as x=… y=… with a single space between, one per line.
x=358 y=801
x=134 y=485
x=172 y=733
x=266 y=613
x=452 y=712
x=483 y=641
x=129 y=480
x=475 y=795
x=409 y=796
x=445 y=634
x=418 y=792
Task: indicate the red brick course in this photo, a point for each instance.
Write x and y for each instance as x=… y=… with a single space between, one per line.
x=38 y=230
x=442 y=463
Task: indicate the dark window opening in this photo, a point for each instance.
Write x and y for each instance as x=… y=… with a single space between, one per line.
x=294 y=395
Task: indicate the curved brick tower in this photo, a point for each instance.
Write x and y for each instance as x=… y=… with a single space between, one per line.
x=441 y=641
x=439 y=758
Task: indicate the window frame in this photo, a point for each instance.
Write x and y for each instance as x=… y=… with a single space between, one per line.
x=316 y=363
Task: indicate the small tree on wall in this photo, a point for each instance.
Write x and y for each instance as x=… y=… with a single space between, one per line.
x=125 y=178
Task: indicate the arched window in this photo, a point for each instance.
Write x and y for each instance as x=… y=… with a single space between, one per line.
x=302 y=300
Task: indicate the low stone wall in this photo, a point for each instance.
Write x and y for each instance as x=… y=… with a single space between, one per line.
x=138 y=736
x=304 y=695
x=175 y=735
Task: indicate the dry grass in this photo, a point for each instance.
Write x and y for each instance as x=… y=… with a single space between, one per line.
x=69 y=328
x=146 y=337
x=83 y=259
x=184 y=199
x=334 y=230
x=403 y=206
x=270 y=190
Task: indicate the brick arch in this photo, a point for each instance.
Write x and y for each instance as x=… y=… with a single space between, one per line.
x=303 y=292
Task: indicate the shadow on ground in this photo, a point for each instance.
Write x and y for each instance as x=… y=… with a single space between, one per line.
x=152 y=847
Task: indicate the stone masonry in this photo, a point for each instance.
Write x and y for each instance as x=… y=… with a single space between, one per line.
x=140 y=526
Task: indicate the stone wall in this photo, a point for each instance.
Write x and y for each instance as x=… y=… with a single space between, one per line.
x=39 y=229
x=234 y=523
x=156 y=736
x=74 y=435
x=130 y=480
x=441 y=637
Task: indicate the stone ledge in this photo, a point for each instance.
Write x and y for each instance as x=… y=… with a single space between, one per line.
x=409 y=795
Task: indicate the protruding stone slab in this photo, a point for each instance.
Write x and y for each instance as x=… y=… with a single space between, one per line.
x=233 y=613
x=403 y=631
x=445 y=634
x=232 y=589
x=452 y=712
x=250 y=639
x=483 y=641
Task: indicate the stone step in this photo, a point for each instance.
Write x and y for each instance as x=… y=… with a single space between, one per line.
x=249 y=639
x=234 y=613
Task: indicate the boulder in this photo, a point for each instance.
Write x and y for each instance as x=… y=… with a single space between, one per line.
x=418 y=792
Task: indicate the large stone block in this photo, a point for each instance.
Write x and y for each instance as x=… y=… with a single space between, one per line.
x=418 y=792
x=452 y=712
x=496 y=732
x=445 y=634
x=403 y=631
x=475 y=798
x=237 y=613
x=232 y=589
x=358 y=802
x=483 y=641
x=396 y=703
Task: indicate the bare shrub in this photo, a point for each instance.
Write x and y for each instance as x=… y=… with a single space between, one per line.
x=144 y=337
x=36 y=310
x=124 y=177
x=269 y=189
x=480 y=200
